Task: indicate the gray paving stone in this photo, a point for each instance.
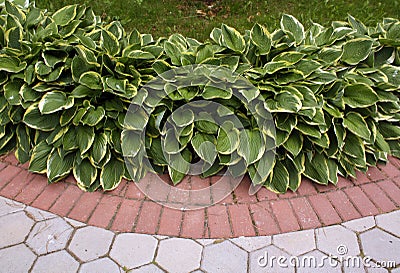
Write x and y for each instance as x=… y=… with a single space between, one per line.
x=380 y=246
x=14 y=228
x=252 y=243
x=150 y=268
x=10 y=263
x=49 y=235
x=179 y=255
x=329 y=239
x=198 y=271
x=351 y=269
x=360 y=225
x=266 y=260
x=375 y=269
x=296 y=243
x=397 y=270
x=206 y=242
x=224 y=257
x=100 y=265
x=39 y=215
x=390 y=222
x=74 y=223
x=8 y=206
x=56 y=262
x=160 y=237
x=318 y=262
x=133 y=250
x=90 y=243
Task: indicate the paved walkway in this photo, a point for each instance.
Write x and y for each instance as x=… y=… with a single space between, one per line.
x=34 y=240
x=351 y=227
x=126 y=209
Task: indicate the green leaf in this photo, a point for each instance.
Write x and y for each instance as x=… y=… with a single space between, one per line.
x=389 y=131
x=93 y=116
x=359 y=95
x=11 y=92
x=353 y=146
x=356 y=124
x=279 y=181
x=65 y=15
x=39 y=156
x=34 y=119
x=228 y=138
x=261 y=38
x=204 y=146
x=11 y=64
x=54 y=101
x=91 y=80
x=233 y=39
x=183 y=118
x=59 y=166
x=294 y=144
x=173 y=52
x=211 y=92
x=109 y=42
x=251 y=145
x=132 y=143
x=317 y=169
x=85 y=173
x=111 y=175
x=84 y=137
x=291 y=26
x=357 y=50
x=308 y=130
x=99 y=148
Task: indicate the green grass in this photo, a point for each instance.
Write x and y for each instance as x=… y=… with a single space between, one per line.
x=196 y=18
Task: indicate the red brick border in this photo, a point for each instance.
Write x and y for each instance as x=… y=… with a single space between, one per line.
x=126 y=209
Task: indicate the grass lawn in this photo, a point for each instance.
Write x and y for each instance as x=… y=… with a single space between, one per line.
x=196 y=18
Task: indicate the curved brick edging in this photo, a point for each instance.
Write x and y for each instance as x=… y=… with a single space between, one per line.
x=127 y=210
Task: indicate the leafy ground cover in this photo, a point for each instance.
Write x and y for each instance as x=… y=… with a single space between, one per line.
x=196 y=19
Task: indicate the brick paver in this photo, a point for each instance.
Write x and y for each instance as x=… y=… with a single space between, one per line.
x=126 y=215
x=126 y=209
x=343 y=205
x=284 y=214
x=218 y=222
x=105 y=211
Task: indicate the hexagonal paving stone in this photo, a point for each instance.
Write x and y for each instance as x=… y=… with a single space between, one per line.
x=296 y=243
x=38 y=214
x=360 y=225
x=390 y=222
x=133 y=250
x=90 y=243
x=8 y=206
x=224 y=257
x=56 y=262
x=50 y=235
x=16 y=259
x=252 y=243
x=329 y=239
x=317 y=262
x=265 y=260
x=14 y=228
x=150 y=268
x=74 y=223
x=100 y=265
x=375 y=269
x=179 y=255
x=381 y=246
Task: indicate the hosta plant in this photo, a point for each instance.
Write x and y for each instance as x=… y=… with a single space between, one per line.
x=67 y=81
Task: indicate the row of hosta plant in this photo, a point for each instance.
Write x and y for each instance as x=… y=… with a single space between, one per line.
x=67 y=81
